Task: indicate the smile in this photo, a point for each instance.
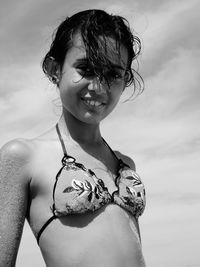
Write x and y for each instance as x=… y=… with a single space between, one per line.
x=93 y=103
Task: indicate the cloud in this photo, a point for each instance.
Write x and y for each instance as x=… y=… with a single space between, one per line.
x=168 y=31
x=19 y=37
x=175 y=87
x=26 y=104
x=165 y=117
x=159 y=129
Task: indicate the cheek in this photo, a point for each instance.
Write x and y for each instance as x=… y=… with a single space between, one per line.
x=115 y=97
x=75 y=77
x=70 y=84
x=117 y=91
x=70 y=77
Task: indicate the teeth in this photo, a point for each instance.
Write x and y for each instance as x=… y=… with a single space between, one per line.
x=93 y=103
x=97 y=104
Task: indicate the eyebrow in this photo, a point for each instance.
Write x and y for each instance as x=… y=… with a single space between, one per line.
x=81 y=60
x=116 y=66
x=86 y=61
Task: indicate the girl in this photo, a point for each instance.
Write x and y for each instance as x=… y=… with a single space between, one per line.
x=81 y=198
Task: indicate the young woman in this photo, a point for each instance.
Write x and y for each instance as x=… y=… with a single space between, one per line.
x=81 y=198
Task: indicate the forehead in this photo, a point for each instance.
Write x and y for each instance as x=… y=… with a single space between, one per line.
x=78 y=50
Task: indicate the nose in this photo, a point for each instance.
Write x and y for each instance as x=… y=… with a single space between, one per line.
x=97 y=86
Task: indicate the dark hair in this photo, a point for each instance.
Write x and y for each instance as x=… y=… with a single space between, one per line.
x=91 y=24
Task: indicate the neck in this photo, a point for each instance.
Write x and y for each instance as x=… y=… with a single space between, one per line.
x=81 y=132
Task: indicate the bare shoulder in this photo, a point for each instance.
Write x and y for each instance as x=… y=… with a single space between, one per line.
x=15 y=156
x=18 y=146
x=14 y=196
x=126 y=159
x=17 y=149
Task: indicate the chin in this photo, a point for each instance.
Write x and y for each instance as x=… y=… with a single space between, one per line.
x=92 y=118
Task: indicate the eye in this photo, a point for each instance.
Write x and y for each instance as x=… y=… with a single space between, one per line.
x=85 y=70
x=114 y=75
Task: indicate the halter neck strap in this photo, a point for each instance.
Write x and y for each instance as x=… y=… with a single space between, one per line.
x=114 y=154
x=61 y=139
x=121 y=163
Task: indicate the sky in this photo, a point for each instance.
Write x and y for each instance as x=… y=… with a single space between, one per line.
x=159 y=129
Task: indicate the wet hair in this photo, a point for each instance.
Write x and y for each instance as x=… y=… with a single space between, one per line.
x=95 y=26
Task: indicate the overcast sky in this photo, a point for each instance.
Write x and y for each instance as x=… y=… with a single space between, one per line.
x=160 y=129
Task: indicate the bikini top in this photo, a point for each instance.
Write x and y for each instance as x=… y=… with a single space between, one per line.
x=85 y=192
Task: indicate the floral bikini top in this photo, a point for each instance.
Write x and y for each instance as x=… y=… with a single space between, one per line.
x=85 y=192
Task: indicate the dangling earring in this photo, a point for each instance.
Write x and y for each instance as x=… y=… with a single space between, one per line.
x=55 y=79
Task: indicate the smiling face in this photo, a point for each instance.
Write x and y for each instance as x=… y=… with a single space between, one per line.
x=84 y=95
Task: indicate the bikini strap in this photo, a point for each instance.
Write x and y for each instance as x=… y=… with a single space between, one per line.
x=54 y=216
x=121 y=163
x=45 y=226
x=61 y=139
x=114 y=154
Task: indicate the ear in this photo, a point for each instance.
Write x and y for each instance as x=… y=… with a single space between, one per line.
x=127 y=76
x=53 y=69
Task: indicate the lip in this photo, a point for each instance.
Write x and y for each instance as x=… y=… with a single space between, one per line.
x=85 y=101
x=95 y=99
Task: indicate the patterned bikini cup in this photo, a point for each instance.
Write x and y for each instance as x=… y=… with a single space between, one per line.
x=78 y=190
x=84 y=191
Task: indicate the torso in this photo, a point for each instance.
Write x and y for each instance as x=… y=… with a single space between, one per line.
x=107 y=237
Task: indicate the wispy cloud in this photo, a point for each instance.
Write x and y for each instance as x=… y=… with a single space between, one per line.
x=171 y=29
x=159 y=129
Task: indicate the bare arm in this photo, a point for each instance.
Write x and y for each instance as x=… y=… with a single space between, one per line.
x=14 y=157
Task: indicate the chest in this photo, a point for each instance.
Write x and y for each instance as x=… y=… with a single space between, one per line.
x=100 y=161
x=47 y=166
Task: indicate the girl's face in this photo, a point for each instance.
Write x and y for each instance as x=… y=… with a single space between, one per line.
x=82 y=94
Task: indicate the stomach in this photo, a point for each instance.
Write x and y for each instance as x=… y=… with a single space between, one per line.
x=108 y=237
